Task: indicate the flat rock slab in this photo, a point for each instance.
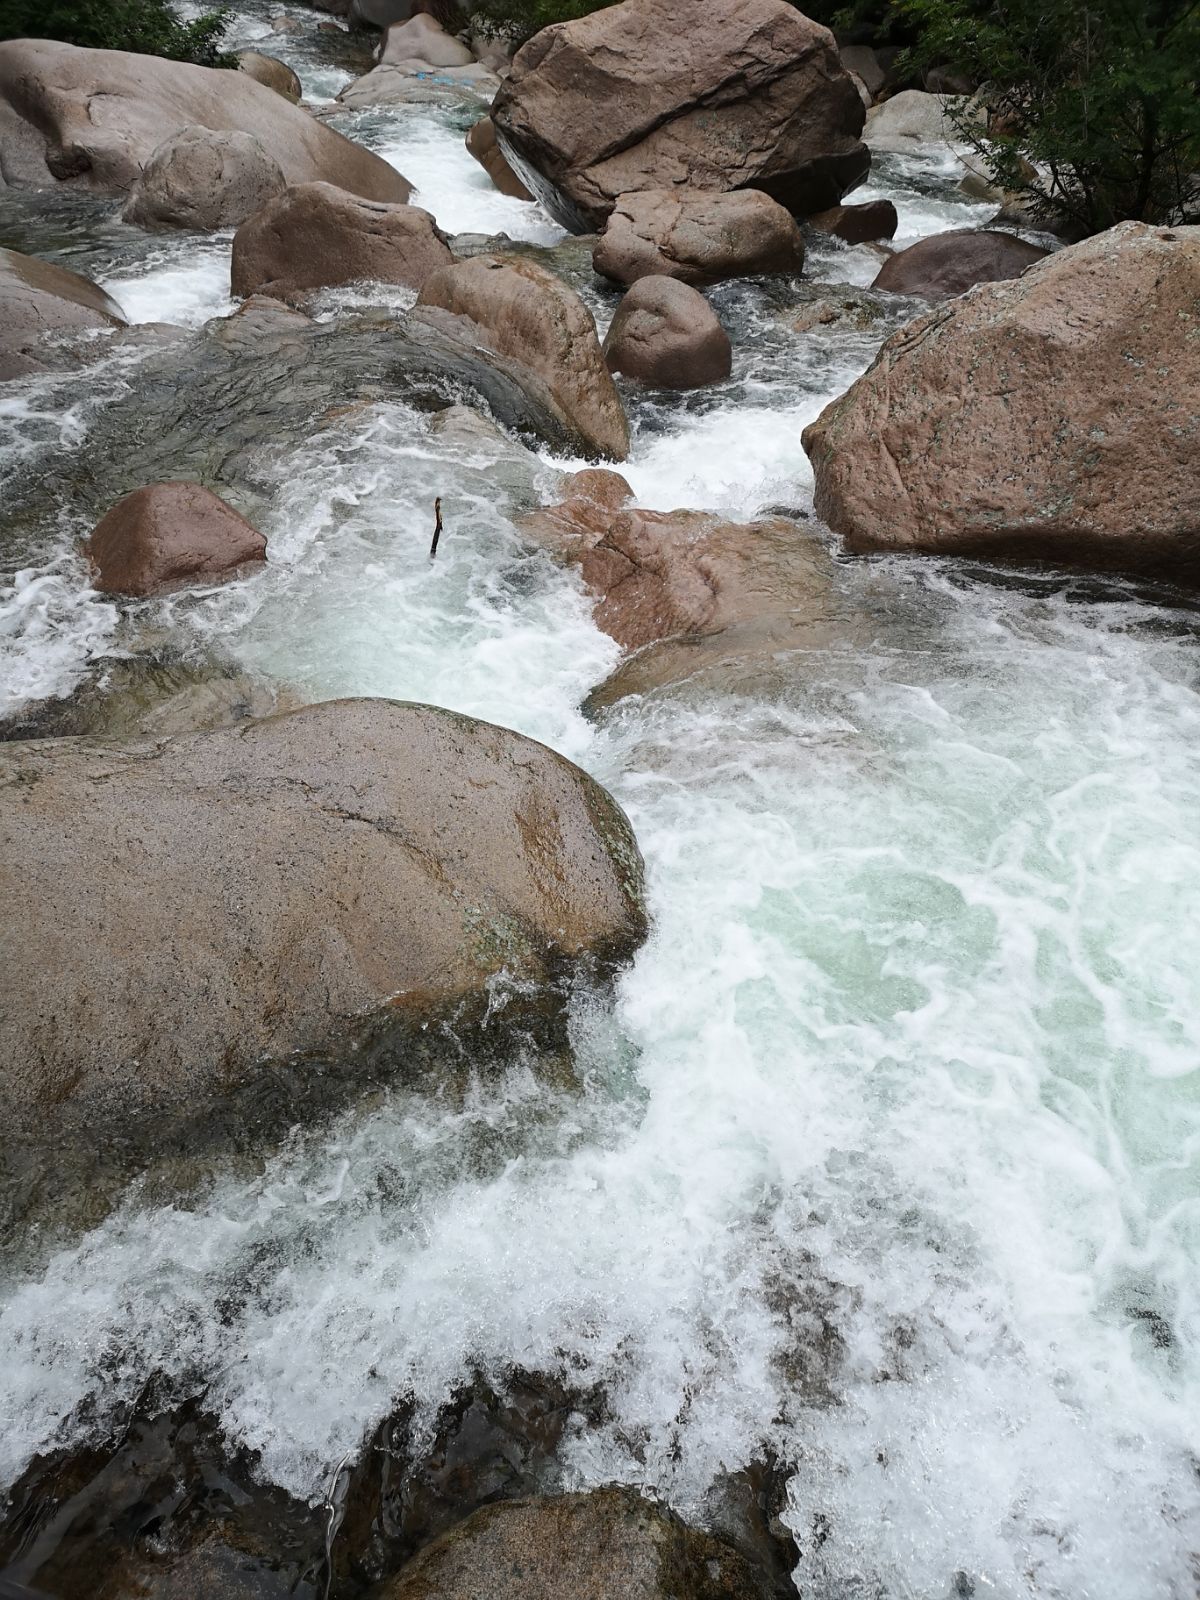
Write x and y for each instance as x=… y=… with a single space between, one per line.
x=191 y=918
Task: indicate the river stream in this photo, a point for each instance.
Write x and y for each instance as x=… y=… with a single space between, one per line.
x=888 y=1154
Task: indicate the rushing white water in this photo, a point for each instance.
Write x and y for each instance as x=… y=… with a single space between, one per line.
x=889 y=1154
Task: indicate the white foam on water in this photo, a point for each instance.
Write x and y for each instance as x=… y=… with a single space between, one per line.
x=889 y=1155
x=427 y=146
x=185 y=282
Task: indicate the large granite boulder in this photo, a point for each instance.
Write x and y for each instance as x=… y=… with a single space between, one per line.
x=611 y=1544
x=732 y=94
x=39 y=298
x=169 y=534
x=204 y=180
x=697 y=237
x=665 y=333
x=947 y=264
x=201 y=924
x=314 y=236
x=95 y=117
x=524 y=313
x=1050 y=418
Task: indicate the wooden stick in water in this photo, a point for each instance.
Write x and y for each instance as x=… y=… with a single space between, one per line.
x=437 y=530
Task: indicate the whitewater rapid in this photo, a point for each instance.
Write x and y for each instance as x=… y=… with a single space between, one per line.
x=887 y=1155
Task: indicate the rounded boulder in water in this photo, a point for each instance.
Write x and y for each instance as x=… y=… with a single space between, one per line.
x=169 y=534
x=204 y=180
x=611 y=1544
x=665 y=333
x=948 y=264
x=699 y=238
x=222 y=919
x=316 y=236
x=38 y=299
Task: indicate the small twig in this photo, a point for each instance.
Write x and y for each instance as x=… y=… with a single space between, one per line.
x=437 y=530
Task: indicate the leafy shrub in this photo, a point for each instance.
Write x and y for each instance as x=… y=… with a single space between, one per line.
x=148 y=27
x=1100 y=97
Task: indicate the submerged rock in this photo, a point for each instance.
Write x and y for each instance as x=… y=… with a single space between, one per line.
x=1048 y=418
x=168 y=534
x=950 y=263
x=525 y=314
x=665 y=333
x=685 y=590
x=696 y=237
x=40 y=299
x=204 y=180
x=610 y=1544
x=858 y=224
x=95 y=117
x=313 y=889
x=734 y=94
x=315 y=236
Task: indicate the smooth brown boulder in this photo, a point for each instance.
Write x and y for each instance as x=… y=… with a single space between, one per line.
x=858 y=224
x=39 y=298
x=272 y=72
x=203 y=180
x=947 y=264
x=315 y=236
x=665 y=333
x=521 y=311
x=732 y=94
x=1049 y=418
x=95 y=117
x=481 y=142
x=610 y=1544
x=169 y=534
x=423 y=39
x=699 y=238
x=205 y=923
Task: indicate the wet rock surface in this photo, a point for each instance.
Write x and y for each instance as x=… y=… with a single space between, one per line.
x=39 y=300
x=696 y=237
x=481 y=142
x=203 y=180
x=169 y=1510
x=951 y=263
x=169 y=534
x=738 y=94
x=666 y=333
x=1037 y=419
x=353 y=866
x=524 y=313
x=315 y=236
x=611 y=1544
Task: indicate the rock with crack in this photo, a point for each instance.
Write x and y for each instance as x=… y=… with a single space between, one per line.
x=524 y=313
x=686 y=591
x=327 y=885
x=1052 y=417
x=733 y=94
